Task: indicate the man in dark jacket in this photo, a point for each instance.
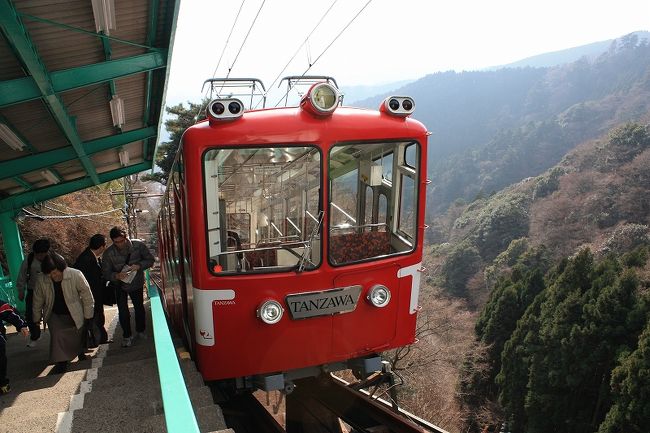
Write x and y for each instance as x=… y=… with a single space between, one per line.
x=89 y=263
x=123 y=264
x=8 y=314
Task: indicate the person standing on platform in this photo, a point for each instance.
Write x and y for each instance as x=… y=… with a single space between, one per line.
x=124 y=263
x=8 y=314
x=66 y=303
x=89 y=263
x=28 y=275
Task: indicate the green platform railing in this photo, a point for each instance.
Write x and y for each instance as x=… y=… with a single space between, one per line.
x=179 y=414
x=7 y=292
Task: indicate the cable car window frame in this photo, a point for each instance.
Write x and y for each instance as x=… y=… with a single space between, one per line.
x=400 y=241
x=306 y=253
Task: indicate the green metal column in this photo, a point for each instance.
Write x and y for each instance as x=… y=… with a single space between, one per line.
x=14 y=251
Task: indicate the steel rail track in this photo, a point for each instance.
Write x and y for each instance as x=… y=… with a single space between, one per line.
x=359 y=410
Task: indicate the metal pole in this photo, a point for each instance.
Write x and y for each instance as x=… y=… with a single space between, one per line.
x=14 y=251
x=127 y=210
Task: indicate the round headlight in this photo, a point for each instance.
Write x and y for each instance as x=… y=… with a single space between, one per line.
x=234 y=107
x=393 y=104
x=270 y=312
x=324 y=97
x=379 y=295
x=218 y=108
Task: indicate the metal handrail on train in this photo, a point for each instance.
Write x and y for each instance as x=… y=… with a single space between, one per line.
x=179 y=414
x=275 y=247
x=350 y=227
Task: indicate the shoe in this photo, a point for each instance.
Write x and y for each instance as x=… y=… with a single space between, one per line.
x=142 y=335
x=82 y=357
x=127 y=342
x=5 y=389
x=105 y=341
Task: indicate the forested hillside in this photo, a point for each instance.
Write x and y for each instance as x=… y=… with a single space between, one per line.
x=558 y=267
x=494 y=128
x=567 y=352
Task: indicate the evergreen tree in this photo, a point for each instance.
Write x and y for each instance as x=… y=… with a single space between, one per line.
x=461 y=264
x=630 y=412
x=557 y=365
x=184 y=118
x=498 y=320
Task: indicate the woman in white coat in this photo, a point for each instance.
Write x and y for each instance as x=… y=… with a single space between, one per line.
x=64 y=299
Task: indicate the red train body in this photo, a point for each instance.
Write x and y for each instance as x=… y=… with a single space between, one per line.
x=276 y=227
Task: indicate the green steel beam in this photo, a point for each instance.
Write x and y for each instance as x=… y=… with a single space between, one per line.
x=78 y=30
x=26 y=164
x=13 y=250
x=169 y=30
x=108 y=54
x=152 y=26
x=26 y=88
x=18 y=38
x=18 y=201
x=20 y=181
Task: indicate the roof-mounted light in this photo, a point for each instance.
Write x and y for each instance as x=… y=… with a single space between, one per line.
x=401 y=106
x=225 y=109
x=321 y=99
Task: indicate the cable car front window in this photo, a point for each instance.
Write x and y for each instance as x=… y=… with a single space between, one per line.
x=262 y=208
x=373 y=200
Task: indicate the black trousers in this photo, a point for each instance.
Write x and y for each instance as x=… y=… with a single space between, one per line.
x=124 y=314
x=34 y=328
x=99 y=319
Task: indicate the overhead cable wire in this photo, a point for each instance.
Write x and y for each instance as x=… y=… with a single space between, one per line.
x=301 y=45
x=328 y=46
x=75 y=216
x=250 y=29
x=225 y=46
x=246 y=38
x=234 y=23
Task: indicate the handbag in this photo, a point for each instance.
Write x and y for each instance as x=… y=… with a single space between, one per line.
x=91 y=342
x=109 y=297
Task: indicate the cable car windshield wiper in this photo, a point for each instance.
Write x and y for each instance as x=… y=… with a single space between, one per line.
x=307 y=251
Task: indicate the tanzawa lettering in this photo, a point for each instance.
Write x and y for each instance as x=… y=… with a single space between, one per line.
x=321 y=303
x=229 y=302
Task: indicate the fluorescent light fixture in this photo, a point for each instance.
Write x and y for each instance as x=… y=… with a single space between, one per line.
x=117 y=111
x=10 y=137
x=104 y=13
x=50 y=177
x=124 y=158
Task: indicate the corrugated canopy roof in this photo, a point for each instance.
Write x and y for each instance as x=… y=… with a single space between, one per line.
x=81 y=93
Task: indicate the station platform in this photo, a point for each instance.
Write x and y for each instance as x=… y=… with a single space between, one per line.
x=115 y=390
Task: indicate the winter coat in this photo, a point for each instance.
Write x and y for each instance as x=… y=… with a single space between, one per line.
x=8 y=314
x=113 y=260
x=87 y=264
x=27 y=280
x=76 y=292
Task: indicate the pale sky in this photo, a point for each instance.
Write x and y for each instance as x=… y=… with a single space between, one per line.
x=391 y=40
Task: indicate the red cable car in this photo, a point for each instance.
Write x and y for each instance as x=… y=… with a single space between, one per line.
x=291 y=238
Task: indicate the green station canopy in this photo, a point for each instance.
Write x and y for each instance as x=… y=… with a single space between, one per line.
x=82 y=85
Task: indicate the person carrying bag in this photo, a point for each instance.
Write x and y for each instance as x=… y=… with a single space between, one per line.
x=89 y=263
x=124 y=263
